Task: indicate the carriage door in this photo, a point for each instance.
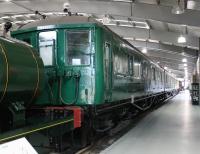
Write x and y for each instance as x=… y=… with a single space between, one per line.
x=108 y=71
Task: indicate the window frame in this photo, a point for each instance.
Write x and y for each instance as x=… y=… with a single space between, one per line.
x=54 y=56
x=131 y=65
x=120 y=52
x=139 y=63
x=91 y=32
x=153 y=73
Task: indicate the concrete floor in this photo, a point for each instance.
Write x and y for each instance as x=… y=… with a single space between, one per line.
x=172 y=129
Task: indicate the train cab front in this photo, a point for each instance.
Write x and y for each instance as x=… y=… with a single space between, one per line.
x=69 y=55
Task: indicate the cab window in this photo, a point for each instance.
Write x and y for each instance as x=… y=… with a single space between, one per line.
x=78 y=47
x=47 y=42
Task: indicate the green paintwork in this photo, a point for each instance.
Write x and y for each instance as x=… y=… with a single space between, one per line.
x=56 y=72
x=99 y=76
x=22 y=62
x=96 y=86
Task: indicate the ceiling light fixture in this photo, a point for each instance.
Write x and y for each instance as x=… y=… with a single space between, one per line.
x=144 y=50
x=140 y=39
x=186 y=72
x=126 y=1
x=184 y=60
x=178 y=8
x=181 y=39
x=106 y=19
x=109 y=24
x=128 y=38
x=153 y=41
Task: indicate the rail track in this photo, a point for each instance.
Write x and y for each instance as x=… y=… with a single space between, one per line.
x=105 y=140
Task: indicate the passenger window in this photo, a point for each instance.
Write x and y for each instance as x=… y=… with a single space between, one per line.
x=107 y=51
x=130 y=64
x=166 y=78
x=154 y=74
x=47 y=42
x=120 y=62
x=144 y=72
x=149 y=72
x=161 y=78
x=137 y=69
x=78 y=47
x=157 y=75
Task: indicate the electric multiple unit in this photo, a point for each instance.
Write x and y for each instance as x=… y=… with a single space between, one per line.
x=84 y=65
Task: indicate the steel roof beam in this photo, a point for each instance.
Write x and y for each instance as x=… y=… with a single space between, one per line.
x=173 y=65
x=121 y=9
x=134 y=10
x=173 y=49
x=163 y=36
x=172 y=57
x=137 y=10
x=173 y=62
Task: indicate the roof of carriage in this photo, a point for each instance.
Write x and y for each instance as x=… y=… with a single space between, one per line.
x=64 y=20
x=60 y=22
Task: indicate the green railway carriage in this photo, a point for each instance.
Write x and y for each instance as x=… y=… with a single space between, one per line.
x=87 y=64
x=73 y=69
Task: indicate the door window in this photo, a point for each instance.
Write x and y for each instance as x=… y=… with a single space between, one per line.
x=47 y=42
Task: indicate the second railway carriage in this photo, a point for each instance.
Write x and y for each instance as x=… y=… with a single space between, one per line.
x=88 y=65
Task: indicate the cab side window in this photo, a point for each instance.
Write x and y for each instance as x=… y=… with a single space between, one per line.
x=47 y=42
